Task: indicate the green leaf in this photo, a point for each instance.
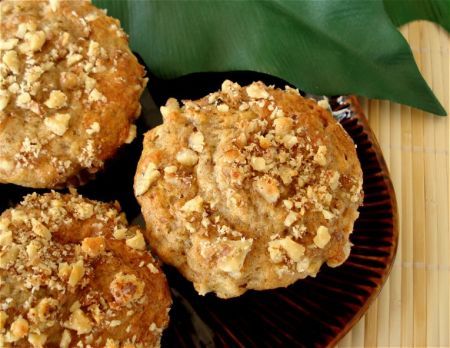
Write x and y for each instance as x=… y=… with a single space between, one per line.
x=323 y=47
x=404 y=11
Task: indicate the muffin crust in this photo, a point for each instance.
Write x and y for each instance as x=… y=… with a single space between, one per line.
x=249 y=188
x=74 y=274
x=69 y=91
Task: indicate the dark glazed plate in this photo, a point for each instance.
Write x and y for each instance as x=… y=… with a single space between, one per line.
x=315 y=312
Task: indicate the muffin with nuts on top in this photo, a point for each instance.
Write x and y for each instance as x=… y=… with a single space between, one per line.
x=69 y=91
x=248 y=188
x=73 y=273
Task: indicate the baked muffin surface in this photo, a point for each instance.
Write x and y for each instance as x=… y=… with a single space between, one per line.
x=73 y=273
x=249 y=188
x=69 y=91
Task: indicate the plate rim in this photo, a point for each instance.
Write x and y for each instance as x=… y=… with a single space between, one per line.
x=355 y=107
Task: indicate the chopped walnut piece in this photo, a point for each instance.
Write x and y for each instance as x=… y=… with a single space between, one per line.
x=3 y=317
x=256 y=91
x=18 y=216
x=187 y=157
x=244 y=106
x=196 y=141
x=76 y=305
x=11 y=60
x=283 y=125
x=324 y=104
x=93 y=246
x=34 y=41
x=56 y=100
x=241 y=140
x=234 y=254
x=8 y=44
x=19 y=328
x=96 y=95
x=84 y=210
x=23 y=100
x=93 y=128
x=288 y=204
x=89 y=83
x=193 y=205
x=230 y=87
x=69 y=80
x=294 y=250
x=131 y=134
x=327 y=214
x=120 y=233
x=290 y=218
x=4 y=99
x=5 y=237
x=6 y=165
x=289 y=141
x=65 y=339
x=146 y=179
x=43 y=310
x=126 y=288
x=64 y=270
x=8 y=256
x=58 y=123
x=37 y=340
x=76 y=273
x=171 y=106
x=322 y=237
x=54 y=5
x=94 y=49
x=137 y=242
x=110 y=343
x=267 y=187
x=152 y=268
x=40 y=230
x=73 y=59
x=334 y=180
x=223 y=107
x=79 y=322
x=320 y=157
x=286 y=174
x=258 y=163
x=170 y=169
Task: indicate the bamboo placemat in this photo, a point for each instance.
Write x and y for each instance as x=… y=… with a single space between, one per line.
x=414 y=305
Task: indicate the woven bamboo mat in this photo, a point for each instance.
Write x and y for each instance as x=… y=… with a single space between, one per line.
x=414 y=305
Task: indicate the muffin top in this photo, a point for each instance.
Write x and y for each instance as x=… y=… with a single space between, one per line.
x=249 y=188
x=74 y=274
x=69 y=91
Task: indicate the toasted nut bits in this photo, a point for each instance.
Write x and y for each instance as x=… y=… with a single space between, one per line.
x=66 y=280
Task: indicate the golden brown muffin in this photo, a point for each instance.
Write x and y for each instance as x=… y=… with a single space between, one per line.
x=249 y=188
x=69 y=91
x=74 y=274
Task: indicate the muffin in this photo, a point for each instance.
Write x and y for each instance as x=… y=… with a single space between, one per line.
x=74 y=274
x=69 y=91
x=248 y=188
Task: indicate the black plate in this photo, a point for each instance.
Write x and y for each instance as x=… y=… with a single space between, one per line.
x=313 y=312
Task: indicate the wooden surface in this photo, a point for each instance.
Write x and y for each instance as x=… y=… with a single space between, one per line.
x=413 y=307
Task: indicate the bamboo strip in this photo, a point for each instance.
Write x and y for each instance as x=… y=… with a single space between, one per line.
x=419 y=276
x=359 y=334
x=406 y=239
x=443 y=138
x=347 y=340
x=384 y=297
x=395 y=279
x=432 y=322
x=370 y=333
